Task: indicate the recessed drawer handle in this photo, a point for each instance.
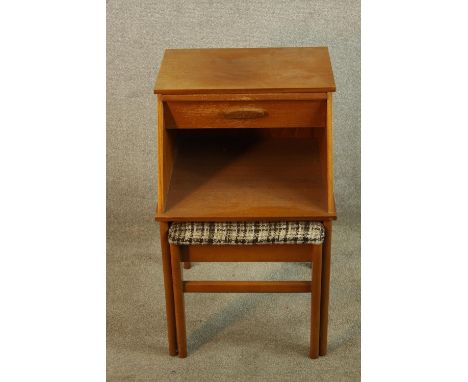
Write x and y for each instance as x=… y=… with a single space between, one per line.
x=245 y=114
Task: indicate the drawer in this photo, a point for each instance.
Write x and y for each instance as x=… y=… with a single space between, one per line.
x=245 y=114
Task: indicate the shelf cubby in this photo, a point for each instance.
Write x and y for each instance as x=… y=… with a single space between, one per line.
x=221 y=174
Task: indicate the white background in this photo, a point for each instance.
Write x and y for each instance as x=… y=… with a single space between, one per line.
x=414 y=188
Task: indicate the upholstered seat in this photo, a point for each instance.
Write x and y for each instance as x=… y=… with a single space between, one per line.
x=246 y=233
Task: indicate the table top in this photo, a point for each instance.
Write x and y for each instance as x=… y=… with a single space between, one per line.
x=241 y=70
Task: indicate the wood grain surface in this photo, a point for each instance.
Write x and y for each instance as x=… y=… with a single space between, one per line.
x=234 y=70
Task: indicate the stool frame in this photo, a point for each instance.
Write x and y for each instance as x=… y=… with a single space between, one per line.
x=173 y=266
x=247 y=253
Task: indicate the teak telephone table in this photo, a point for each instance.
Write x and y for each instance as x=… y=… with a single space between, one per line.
x=244 y=135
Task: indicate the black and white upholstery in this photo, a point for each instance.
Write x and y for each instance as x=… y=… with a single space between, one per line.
x=246 y=233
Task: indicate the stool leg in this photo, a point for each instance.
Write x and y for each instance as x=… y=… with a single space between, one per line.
x=167 y=271
x=326 y=260
x=315 y=304
x=187 y=265
x=178 y=301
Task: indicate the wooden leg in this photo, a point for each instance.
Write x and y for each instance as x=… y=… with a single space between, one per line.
x=178 y=301
x=187 y=265
x=167 y=271
x=315 y=304
x=325 y=292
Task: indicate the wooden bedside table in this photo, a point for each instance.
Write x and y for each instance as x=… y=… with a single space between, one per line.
x=245 y=135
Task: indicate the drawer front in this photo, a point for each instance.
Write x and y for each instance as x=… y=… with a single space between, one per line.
x=245 y=114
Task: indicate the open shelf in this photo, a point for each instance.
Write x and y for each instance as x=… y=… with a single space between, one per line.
x=247 y=174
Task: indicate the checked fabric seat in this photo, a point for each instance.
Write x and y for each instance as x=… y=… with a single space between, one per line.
x=246 y=233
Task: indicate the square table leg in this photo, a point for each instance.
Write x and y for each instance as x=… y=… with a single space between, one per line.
x=325 y=290
x=168 y=287
x=315 y=302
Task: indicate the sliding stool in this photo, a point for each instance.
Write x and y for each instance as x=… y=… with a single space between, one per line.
x=246 y=242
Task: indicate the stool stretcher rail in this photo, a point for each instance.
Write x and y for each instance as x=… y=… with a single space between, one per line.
x=247 y=286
